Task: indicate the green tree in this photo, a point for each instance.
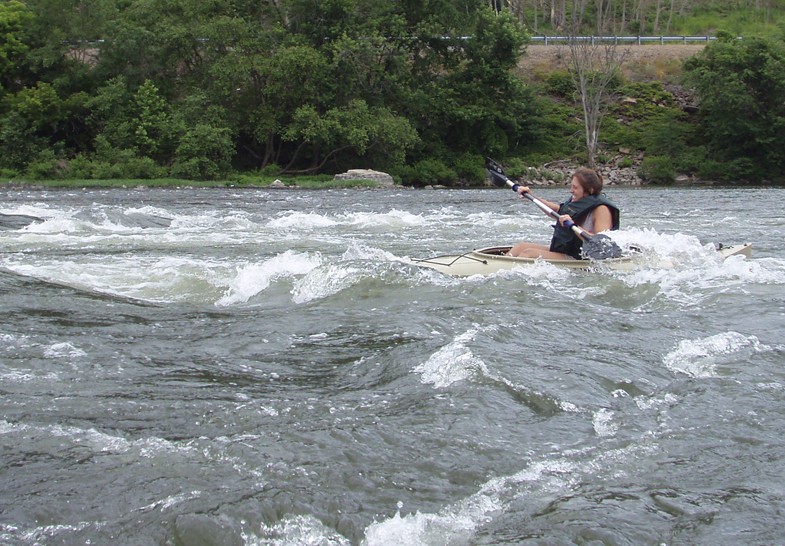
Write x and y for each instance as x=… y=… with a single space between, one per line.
x=478 y=105
x=15 y=19
x=204 y=153
x=151 y=122
x=741 y=85
x=356 y=130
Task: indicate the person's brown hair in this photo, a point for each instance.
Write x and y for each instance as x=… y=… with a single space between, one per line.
x=590 y=180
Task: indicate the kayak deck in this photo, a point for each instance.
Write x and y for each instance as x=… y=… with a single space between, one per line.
x=489 y=260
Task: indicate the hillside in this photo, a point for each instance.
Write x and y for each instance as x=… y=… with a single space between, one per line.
x=642 y=62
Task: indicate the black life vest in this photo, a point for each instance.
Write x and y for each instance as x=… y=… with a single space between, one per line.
x=564 y=239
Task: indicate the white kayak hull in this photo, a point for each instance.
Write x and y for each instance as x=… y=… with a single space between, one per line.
x=486 y=261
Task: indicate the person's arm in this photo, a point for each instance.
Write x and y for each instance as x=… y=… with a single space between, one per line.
x=526 y=189
x=603 y=221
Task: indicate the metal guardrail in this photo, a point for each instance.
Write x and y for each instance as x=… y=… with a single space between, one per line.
x=638 y=40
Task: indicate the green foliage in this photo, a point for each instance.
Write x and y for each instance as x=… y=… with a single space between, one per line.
x=741 y=84
x=559 y=83
x=428 y=172
x=18 y=141
x=470 y=167
x=111 y=115
x=356 y=129
x=204 y=153
x=15 y=18
x=108 y=162
x=516 y=168
x=658 y=170
x=199 y=87
x=45 y=166
x=559 y=133
x=151 y=122
x=667 y=134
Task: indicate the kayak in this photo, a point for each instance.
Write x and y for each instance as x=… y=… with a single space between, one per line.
x=485 y=261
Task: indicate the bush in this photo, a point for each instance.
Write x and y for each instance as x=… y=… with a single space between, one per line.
x=80 y=166
x=270 y=170
x=743 y=169
x=470 y=167
x=204 y=153
x=658 y=170
x=559 y=83
x=112 y=163
x=692 y=159
x=429 y=171
x=514 y=168
x=142 y=167
x=46 y=166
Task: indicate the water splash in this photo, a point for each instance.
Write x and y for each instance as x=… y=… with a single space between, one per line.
x=701 y=357
x=324 y=281
x=255 y=278
x=452 y=363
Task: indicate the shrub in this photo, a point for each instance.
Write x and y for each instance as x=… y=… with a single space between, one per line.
x=46 y=166
x=711 y=169
x=270 y=170
x=204 y=153
x=142 y=167
x=80 y=166
x=559 y=83
x=658 y=170
x=429 y=171
x=470 y=167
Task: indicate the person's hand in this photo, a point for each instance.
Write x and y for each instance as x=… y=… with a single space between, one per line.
x=523 y=189
x=564 y=218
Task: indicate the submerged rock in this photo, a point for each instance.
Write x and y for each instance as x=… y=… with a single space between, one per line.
x=17 y=221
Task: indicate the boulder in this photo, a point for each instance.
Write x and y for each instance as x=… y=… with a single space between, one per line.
x=381 y=179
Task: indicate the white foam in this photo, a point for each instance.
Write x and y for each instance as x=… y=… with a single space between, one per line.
x=301 y=221
x=63 y=350
x=456 y=523
x=603 y=423
x=321 y=282
x=296 y=531
x=392 y=219
x=453 y=362
x=699 y=357
x=252 y=279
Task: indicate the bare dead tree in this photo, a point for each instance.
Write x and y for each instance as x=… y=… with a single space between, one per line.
x=593 y=62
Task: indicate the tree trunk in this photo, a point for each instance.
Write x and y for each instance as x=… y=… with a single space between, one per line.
x=593 y=64
x=657 y=10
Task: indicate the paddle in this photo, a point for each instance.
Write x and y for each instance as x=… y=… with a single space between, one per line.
x=595 y=247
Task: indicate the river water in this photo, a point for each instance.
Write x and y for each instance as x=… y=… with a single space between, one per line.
x=242 y=366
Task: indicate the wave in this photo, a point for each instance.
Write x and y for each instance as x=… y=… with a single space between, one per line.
x=703 y=357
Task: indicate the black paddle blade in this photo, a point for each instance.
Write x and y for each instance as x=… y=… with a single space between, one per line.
x=600 y=247
x=497 y=173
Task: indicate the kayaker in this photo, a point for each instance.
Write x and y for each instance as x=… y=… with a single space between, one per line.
x=587 y=208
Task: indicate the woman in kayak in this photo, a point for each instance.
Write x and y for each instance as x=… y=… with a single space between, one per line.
x=587 y=208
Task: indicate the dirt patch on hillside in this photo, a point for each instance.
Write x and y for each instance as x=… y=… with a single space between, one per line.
x=641 y=62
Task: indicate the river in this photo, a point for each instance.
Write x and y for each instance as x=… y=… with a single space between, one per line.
x=249 y=366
